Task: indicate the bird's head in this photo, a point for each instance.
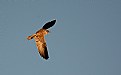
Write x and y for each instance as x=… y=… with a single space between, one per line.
x=46 y=32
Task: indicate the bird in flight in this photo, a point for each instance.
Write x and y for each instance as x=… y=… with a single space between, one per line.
x=40 y=40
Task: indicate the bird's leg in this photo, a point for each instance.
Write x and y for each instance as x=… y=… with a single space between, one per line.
x=31 y=37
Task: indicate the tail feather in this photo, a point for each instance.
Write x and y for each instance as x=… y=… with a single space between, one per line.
x=30 y=37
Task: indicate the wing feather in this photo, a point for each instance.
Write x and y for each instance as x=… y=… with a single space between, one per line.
x=49 y=24
x=41 y=46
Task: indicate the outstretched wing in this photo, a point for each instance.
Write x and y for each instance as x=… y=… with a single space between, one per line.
x=41 y=45
x=49 y=24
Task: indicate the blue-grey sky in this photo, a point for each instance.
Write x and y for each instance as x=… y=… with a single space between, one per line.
x=86 y=39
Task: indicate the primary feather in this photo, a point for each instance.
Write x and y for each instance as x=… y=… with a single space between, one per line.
x=49 y=24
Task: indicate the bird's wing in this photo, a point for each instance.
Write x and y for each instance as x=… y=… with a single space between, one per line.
x=42 y=48
x=49 y=24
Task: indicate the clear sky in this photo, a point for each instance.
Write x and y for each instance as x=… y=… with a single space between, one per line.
x=86 y=39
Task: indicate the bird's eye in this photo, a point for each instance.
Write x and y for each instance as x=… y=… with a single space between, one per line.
x=47 y=31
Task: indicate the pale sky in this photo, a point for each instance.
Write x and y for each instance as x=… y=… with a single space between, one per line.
x=86 y=39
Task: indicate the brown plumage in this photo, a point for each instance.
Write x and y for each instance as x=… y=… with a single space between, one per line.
x=40 y=40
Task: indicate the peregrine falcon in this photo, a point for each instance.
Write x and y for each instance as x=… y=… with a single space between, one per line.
x=40 y=40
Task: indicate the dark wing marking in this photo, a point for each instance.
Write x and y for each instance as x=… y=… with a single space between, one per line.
x=41 y=46
x=44 y=52
x=49 y=24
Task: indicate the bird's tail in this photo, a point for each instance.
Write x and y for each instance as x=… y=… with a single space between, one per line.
x=30 y=37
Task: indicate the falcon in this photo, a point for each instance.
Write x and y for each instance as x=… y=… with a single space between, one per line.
x=40 y=40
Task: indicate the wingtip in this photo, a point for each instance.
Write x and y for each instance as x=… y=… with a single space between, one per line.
x=54 y=20
x=46 y=58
